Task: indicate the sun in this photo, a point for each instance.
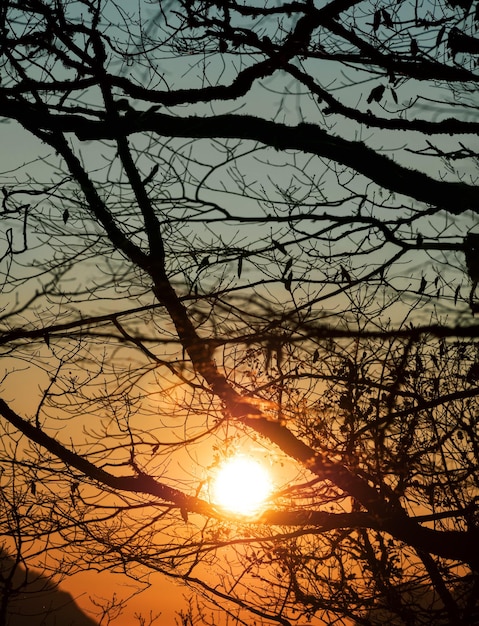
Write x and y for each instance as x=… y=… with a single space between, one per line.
x=241 y=485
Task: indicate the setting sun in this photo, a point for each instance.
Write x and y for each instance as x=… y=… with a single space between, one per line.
x=241 y=485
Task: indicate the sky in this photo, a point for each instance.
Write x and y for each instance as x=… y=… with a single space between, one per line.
x=167 y=596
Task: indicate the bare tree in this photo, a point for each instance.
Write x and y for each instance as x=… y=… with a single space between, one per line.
x=246 y=225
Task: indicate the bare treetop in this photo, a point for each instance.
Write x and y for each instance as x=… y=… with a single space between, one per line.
x=245 y=228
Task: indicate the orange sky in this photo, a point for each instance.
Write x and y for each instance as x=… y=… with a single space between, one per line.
x=163 y=596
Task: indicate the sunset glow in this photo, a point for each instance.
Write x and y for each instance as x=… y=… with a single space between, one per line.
x=241 y=485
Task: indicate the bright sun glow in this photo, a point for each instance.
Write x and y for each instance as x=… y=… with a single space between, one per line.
x=241 y=485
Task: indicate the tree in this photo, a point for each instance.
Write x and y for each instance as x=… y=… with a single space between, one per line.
x=248 y=225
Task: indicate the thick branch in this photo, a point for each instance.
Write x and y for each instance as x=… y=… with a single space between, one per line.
x=449 y=544
x=386 y=516
x=454 y=197
x=314 y=332
x=455 y=545
x=141 y=483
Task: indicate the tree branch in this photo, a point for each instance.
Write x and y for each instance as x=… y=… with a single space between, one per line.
x=454 y=197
